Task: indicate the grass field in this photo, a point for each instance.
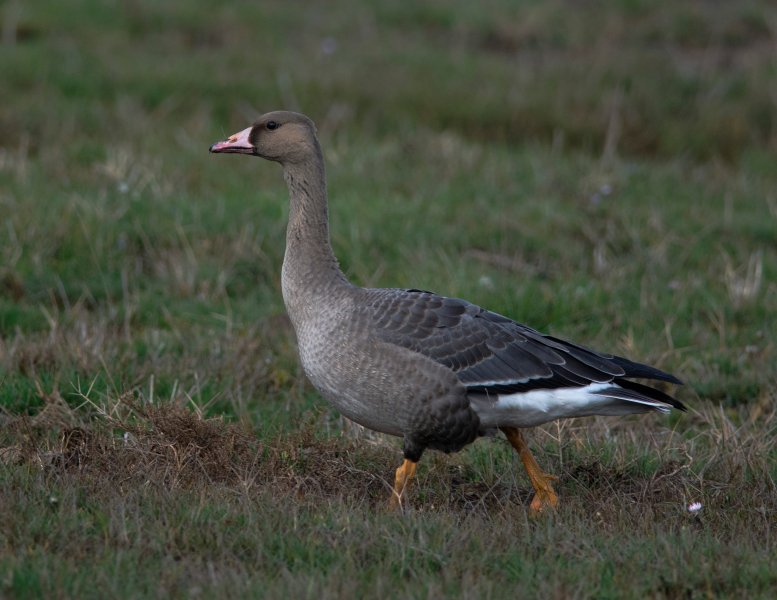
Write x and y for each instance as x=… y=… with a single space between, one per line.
x=605 y=171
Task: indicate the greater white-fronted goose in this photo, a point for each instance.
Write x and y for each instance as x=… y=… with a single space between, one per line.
x=438 y=372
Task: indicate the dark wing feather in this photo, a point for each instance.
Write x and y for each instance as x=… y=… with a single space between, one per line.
x=490 y=352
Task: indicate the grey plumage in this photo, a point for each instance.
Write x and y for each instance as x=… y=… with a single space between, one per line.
x=436 y=371
x=488 y=351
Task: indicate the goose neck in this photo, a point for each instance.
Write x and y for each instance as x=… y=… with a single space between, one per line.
x=309 y=265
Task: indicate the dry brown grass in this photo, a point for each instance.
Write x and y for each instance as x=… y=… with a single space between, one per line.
x=602 y=464
x=139 y=480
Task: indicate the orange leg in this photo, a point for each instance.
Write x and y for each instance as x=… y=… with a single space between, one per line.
x=404 y=474
x=544 y=495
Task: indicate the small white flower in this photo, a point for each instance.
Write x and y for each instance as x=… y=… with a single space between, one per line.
x=486 y=282
x=694 y=507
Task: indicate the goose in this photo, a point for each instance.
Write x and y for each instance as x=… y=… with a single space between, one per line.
x=438 y=372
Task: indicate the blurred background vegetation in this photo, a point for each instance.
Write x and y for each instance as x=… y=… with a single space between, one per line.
x=615 y=157
x=664 y=79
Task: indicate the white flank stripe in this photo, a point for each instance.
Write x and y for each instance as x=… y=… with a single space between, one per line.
x=545 y=400
x=527 y=409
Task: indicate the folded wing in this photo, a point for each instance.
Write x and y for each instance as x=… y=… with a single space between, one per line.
x=495 y=355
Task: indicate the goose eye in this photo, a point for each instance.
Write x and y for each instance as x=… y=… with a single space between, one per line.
x=272 y=125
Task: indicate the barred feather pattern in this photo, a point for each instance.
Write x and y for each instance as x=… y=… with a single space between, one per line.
x=501 y=361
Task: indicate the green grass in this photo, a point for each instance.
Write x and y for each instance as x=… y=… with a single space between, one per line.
x=603 y=171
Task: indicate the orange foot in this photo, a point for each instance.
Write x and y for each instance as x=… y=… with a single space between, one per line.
x=403 y=477
x=545 y=496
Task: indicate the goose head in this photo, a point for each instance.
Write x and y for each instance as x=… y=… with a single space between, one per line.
x=280 y=136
